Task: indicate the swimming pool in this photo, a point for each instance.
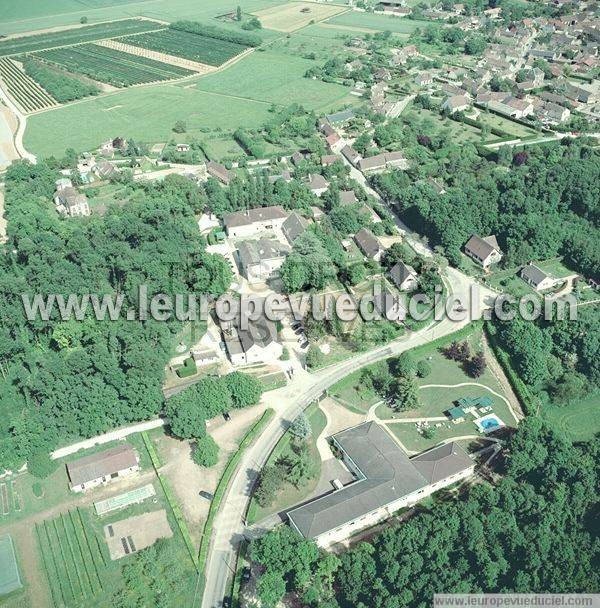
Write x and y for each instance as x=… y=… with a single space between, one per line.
x=488 y=423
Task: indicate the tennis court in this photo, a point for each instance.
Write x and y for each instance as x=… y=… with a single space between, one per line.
x=9 y=571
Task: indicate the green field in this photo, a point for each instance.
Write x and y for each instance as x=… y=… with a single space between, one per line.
x=378 y=22
x=187 y=45
x=38 y=14
x=26 y=44
x=72 y=558
x=145 y=114
x=274 y=77
x=9 y=572
x=580 y=421
x=110 y=66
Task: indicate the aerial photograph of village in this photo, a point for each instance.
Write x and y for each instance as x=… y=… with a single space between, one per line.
x=299 y=303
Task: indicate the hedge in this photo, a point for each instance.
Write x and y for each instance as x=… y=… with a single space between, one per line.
x=529 y=402
x=171 y=499
x=210 y=31
x=224 y=482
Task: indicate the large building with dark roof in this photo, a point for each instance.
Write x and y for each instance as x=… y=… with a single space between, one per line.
x=386 y=481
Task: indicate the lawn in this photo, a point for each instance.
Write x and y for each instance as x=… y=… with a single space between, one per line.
x=580 y=421
x=274 y=77
x=555 y=268
x=509 y=281
x=145 y=114
x=380 y=23
x=289 y=495
x=294 y=15
x=510 y=127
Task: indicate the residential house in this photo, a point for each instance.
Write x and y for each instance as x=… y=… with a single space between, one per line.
x=369 y=244
x=423 y=79
x=389 y=306
x=537 y=278
x=456 y=103
x=261 y=260
x=251 y=342
x=294 y=226
x=334 y=142
x=485 y=251
x=340 y=117
x=72 y=202
x=404 y=276
x=317 y=184
x=351 y=155
x=248 y=223
x=297 y=157
x=382 y=74
x=218 y=171
x=347 y=197
x=182 y=147
x=379 y=162
x=104 y=169
x=329 y=159
x=102 y=468
x=386 y=480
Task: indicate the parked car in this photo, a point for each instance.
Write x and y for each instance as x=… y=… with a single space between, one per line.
x=296 y=325
x=246 y=573
x=227 y=416
x=299 y=331
x=205 y=494
x=303 y=345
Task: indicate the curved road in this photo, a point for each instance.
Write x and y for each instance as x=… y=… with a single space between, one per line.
x=288 y=402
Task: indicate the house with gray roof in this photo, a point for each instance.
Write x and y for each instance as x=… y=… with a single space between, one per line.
x=251 y=221
x=294 y=226
x=537 y=278
x=403 y=276
x=485 y=251
x=386 y=480
x=261 y=260
x=369 y=244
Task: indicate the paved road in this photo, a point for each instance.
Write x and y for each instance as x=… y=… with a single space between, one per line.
x=288 y=402
x=18 y=140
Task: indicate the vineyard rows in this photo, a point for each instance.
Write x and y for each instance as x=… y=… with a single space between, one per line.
x=111 y=66
x=101 y=31
x=187 y=45
x=25 y=91
x=72 y=559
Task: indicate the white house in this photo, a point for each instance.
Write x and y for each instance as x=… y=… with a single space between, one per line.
x=485 y=251
x=252 y=221
x=102 y=468
x=70 y=201
x=261 y=260
x=386 y=480
x=403 y=276
x=537 y=278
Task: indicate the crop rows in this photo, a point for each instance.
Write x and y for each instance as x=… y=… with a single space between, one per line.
x=25 y=91
x=38 y=42
x=187 y=45
x=113 y=67
x=72 y=560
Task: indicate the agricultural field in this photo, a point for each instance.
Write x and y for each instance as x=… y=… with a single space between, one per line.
x=187 y=45
x=579 y=421
x=72 y=559
x=294 y=15
x=371 y=21
x=101 y=31
x=25 y=91
x=111 y=66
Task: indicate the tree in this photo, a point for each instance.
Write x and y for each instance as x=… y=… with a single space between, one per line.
x=271 y=589
x=269 y=482
x=403 y=365
x=314 y=357
x=238 y=13
x=83 y=20
x=406 y=393
x=423 y=368
x=301 y=426
x=206 y=452
x=476 y=365
x=180 y=126
x=41 y=465
x=300 y=466
x=187 y=418
x=245 y=389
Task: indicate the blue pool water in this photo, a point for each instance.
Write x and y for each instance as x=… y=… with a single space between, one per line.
x=489 y=424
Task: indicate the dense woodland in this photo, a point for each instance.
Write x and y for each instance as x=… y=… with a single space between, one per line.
x=64 y=380
x=540 y=203
x=537 y=530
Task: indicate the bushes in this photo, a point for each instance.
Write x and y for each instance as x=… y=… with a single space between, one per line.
x=206 y=452
x=193 y=27
x=62 y=87
x=250 y=145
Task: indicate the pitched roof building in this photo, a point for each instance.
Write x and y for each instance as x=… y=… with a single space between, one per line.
x=369 y=244
x=386 y=480
x=485 y=251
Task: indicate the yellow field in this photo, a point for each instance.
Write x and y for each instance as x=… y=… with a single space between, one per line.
x=294 y=15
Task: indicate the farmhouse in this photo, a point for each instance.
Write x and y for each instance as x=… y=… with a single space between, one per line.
x=386 y=480
x=317 y=184
x=403 y=276
x=456 y=103
x=485 y=251
x=101 y=468
x=248 y=223
x=368 y=244
x=260 y=260
x=537 y=278
x=104 y=169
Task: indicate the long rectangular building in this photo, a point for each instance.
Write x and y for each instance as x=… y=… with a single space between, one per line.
x=386 y=481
